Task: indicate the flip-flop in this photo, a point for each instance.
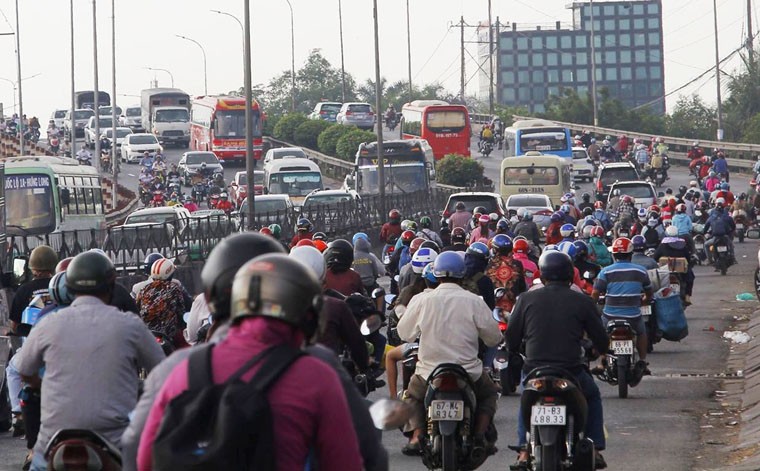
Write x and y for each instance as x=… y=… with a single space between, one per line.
x=412 y=449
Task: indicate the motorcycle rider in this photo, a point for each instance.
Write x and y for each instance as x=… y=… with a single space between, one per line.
x=641 y=156
x=720 y=224
x=190 y=204
x=521 y=250
x=623 y=283
x=695 y=152
x=146 y=160
x=84 y=157
x=392 y=227
x=601 y=215
x=430 y=234
x=608 y=153
x=224 y=203
x=304 y=231
x=675 y=246
x=594 y=151
x=639 y=258
x=720 y=166
x=309 y=408
x=339 y=256
x=458 y=241
x=390 y=116
x=475 y=280
x=162 y=303
x=482 y=231
x=460 y=218
x=586 y=202
x=527 y=228
x=553 y=235
x=553 y=337
x=430 y=317
x=506 y=272
x=597 y=249
x=100 y=396
x=366 y=264
x=486 y=136
x=711 y=182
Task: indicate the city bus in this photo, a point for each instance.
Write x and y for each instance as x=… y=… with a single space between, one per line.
x=538 y=135
x=536 y=173
x=445 y=127
x=46 y=195
x=217 y=124
x=408 y=167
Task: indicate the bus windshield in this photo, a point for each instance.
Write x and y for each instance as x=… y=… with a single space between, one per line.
x=232 y=124
x=531 y=176
x=399 y=179
x=446 y=121
x=542 y=141
x=295 y=183
x=29 y=204
x=172 y=116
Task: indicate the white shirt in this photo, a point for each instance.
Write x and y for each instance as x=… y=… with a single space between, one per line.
x=449 y=320
x=199 y=312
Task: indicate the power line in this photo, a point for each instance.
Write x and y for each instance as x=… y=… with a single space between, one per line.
x=433 y=54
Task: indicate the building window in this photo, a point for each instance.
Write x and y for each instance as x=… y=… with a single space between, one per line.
x=597 y=24
x=522 y=43
x=641 y=73
x=507 y=77
x=639 y=40
x=612 y=73
x=539 y=93
x=551 y=42
x=581 y=75
x=552 y=59
x=655 y=89
x=610 y=57
x=613 y=90
x=641 y=56
x=638 y=9
x=653 y=9
x=539 y=108
x=567 y=75
x=597 y=40
x=507 y=60
x=523 y=60
x=581 y=58
x=609 y=25
x=567 y=59
x=566 y=42
x=582 y=90
x=654 y=55
x=626 y=73
x=609 y=10
x=523 y=76
x=624 y=39
x=538 y=76
x=507 y=43
x=626 y=90
x=653 y=23
x=654 y=39
x=552 y=91
x=610 y=40
x=552 y=75
x=538 y=60
x=625 y=24
x=523 y=94
x=640 y=89
x=535 y=42
x=597 y=10
x=638 y=23
x=655 y=72
x=598 y=57
x=625 y=57
x=508 y=94
x=580 y=42
x=598 y=74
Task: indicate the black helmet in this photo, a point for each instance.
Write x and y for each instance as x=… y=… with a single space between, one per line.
x=303 y=225
x=586 y=197
x=319 y=236
x=682 y=190
x=225 y=260
x=556 y=266
x=479 y=210
x=90 y=273
x=274 y=285
x=149 y=260
x=429 y=244
x=339 y=254
x=588 y=211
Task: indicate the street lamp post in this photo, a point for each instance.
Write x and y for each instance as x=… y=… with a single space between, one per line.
x=72 y=131
x=593 y=66
x=378 y=91
x=154 y=69
x=14 y=85
x=96 y=87
x=249 y=163
x=114 y=136
x=205 y=70
x=342 y=63
x=18 y=75
x=719 y=108
x=292 y=60
x=242 y=28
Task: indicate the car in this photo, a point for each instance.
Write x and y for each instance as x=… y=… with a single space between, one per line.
x=135 y=145
x=128 y=245
x=334 y=209
x=133 y=118
x=268 y=209
x=583 y=168
x=643 y=193
x=206 y=228
x=177 y=216
x=191 y=162
x=89 y=129
x=283 y=153
x=610 y=173
x=356 y=114
x=540 y=206
x=239 y=188
x=81 y=117
x=106 y=112
x=326 y=111
x=121 y=135
x=493 y=202
x=58 y=117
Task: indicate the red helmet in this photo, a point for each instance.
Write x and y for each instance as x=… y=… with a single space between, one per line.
x=415 y=244
x=407 y=237
x=63 y=264
x=752 y=183
x=599 y=205
x=521 y=246
x=626 y=199
x=265 y=231
x=622 y=245
x=394 y=214
x=681 y=208
x=654 y=208
x=305 y=242
x=597 y=231
x=484 y=219
x=320 y=245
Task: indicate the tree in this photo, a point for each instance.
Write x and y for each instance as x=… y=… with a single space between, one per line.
x=570 y=107
x=743 y=101
x=692 y=118
x=328 y=139
x=506 y=113
x=286 y=126
x=751 y=133
x=458 y=170
x=307 y=133
x=348 y=144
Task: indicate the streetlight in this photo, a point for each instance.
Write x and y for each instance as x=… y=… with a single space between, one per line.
x=18 y=75
x=242 y=29
x=154 y=69
x=593 y=66
x=342 y=64
x=717 y=72
x=205 y=70
x=292 y=61
x=14 y=83
x=378 y=90
x=249 y=163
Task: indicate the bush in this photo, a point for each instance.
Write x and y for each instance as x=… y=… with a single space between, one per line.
x=286 y=126
x=348 y=144
x=458 y=170
x=330 y=136
x=269 y=124
x=306 y=134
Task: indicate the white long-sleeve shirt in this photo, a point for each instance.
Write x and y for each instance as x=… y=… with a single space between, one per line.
x=449 y=320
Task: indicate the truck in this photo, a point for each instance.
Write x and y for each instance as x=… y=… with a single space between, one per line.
x=86 y=99
x=166 y=114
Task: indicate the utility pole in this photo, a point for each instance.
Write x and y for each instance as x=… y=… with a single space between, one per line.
x=378 y=91
x=717 y=71
x=342 y=62
x=462 y=77
x=249 y=162
x=114 y=162
x=498 y=54
x=72 y=131
x=490 y=60
x=593 y=67
x=96 y=88
x=750 y=37
x=408 y=50
x=20 y=98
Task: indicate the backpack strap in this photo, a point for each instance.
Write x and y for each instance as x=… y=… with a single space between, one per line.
x=199 y=368
x=278 y=360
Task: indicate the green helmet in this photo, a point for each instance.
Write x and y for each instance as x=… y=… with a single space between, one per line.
x=425 y=222
x=276 y=230
x=43 y=258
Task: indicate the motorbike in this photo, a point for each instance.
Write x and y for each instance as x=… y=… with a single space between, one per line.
x=163 y=341
x=54 y=145
x=85 y=159
x=213 y=200
x=199 y=191
x=505 y=371
x=391 y=122
x=740 y=221
x=698 y=231
x=32 y=135
x=555 y=412
x=81 y=449
x=757 y=277
x=158 y=199
x=450 y=404
x=105 y=161
x=621 y=359
x=654 y=335
x=145 y=195
x=720 y=254
x=486 y=147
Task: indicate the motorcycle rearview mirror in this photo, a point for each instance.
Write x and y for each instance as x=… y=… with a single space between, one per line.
x=499 y=293
x=587 y=275
x=20 y=270
x=753 y=234
x=661 y=195
x=371 y=324
x=389 y=414
x=389 y=298
x=396 y=278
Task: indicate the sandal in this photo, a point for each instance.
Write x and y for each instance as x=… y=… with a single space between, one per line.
x=520 y=466
x=412 y=449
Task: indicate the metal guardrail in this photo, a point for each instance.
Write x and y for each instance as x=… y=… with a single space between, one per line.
x=480 y=118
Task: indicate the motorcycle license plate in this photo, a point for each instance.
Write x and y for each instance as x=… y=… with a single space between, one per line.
x=622 y=347
x=740 y=226
x=548 y=415
x=675 y=288
x=646 y=310
x=446 y=410
x=699 y=246
x=722 y=248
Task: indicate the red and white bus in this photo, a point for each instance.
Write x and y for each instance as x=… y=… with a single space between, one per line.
x=445 y=127
x=217 y=124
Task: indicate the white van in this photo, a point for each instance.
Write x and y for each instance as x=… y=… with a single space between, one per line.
x=294 y=177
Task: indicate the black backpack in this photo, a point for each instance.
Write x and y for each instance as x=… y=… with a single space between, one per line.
x=222 y=426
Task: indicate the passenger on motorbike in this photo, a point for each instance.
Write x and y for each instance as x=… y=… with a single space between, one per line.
x=432 y=317
x=598 y=252
x=639 y=257
x=554 y=336
x=642 y=156
x=654 y=230
x=162 y=302
x=601 y=215
x=674 y=245
x=553 y=235
x=486 y=135
x=366 y=264
x=339 y=257
x=720 y=224
x=608 y=153
x=505 y=271
x=482 y=231
x=304 y=231
x=475 y=280
x=521 y=251
x=712 y=181
x=458 y=241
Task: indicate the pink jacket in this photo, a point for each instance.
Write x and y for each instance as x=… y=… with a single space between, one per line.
x=531 y=269
x=309 y=407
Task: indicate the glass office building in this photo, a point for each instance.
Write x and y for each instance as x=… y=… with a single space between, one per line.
x=536 y=63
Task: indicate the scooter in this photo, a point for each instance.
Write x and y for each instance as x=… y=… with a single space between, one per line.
x=105 y=161
x=81 y=449
x=158 y=199
x=486 y=147
x=506 y=368
x=84 y=159
x=740 y=221
x=621 y=360
x=720 y=254
x=699 y=242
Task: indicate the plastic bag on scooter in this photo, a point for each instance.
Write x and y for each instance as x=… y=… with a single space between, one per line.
x=671 y=319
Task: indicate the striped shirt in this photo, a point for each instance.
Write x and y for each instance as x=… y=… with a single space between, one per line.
x=623 y=283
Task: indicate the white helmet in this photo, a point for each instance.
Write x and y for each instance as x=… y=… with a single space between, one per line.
x=162 y=269
x=695 y=144
x=606 y=142
x=421 y=258
x=312 y=258
x=671 y=231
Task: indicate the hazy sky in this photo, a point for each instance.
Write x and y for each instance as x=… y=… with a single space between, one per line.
x=146 y=38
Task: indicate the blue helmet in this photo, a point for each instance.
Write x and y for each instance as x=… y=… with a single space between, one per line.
x=581 y=249
x=502 y=244
x=725 y=186
x=149 y=260
x=422 y=257
x=558 y=216
x=357 y=236
x=565 y=208
x=428 y=275
x=449 y=265
x=567 y=230
x=551 y=248
x=58 y=291
x=639 y=243
x=502 y=225
x=478 y=250
x=568 y=248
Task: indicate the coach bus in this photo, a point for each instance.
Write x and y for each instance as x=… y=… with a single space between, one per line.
x=408 y=167
x=537 y=135
x=217 y=124
x=445 y=127
x=45 y=195
x=536 y=174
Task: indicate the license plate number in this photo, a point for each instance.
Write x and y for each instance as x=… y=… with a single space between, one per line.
x=675 y=287
x=446 y=410
x=622 y=347
x=722 y=248
x=740 y=226
x=548 y=415
x=646 y=310
x=699 y=246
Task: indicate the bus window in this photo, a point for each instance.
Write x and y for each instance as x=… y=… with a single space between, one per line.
x=446 y=121
x=543 y=142
x=531 y=176
x=412 y=122
x=29 y=203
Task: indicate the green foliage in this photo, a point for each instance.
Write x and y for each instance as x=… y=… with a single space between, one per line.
x=348 y=144
x=506 y=113
x=328 y=139
x=306 y=134
x=286 y=126
x=269 y=124
x=751 y=132
x=692 y=118
x=398 y=94
x=458 y=170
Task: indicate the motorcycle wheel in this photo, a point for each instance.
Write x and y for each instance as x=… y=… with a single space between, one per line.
x=549 y=458
x=506 y=383
x=449 y=453
x=757 y=283
x=741 y=236
x=622 y=366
